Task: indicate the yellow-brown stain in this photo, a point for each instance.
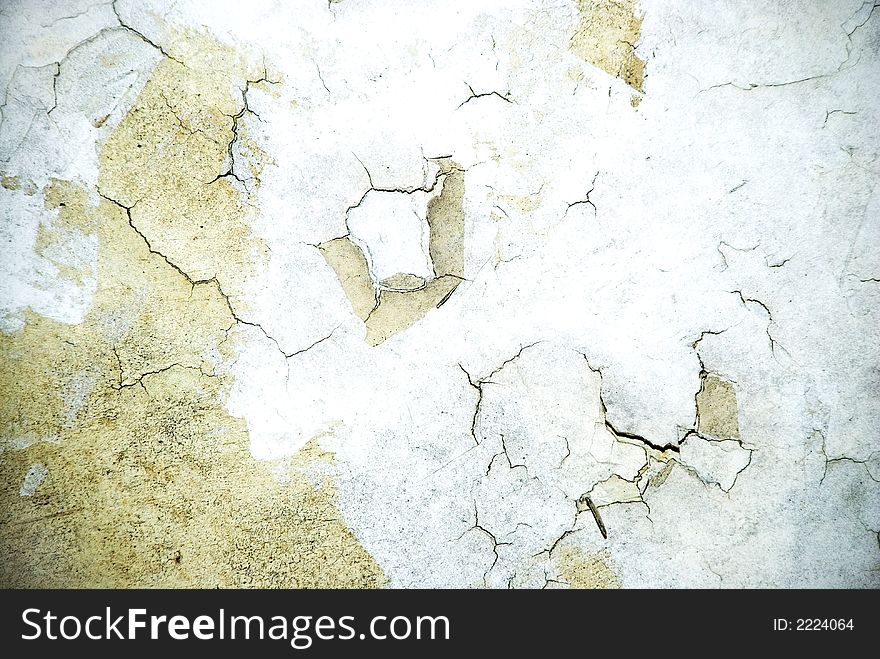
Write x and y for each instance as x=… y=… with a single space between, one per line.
x=446 y=222
x=606 y=36
x=350 y=265
x=150 y=481
x=10 y=182
x=585 y=570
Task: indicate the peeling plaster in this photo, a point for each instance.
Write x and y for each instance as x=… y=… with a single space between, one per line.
x=517 y=296
x=607 y=35
x=403 y=296
x=135 y=398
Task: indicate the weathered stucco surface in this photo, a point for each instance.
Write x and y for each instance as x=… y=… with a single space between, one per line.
x=506 y=295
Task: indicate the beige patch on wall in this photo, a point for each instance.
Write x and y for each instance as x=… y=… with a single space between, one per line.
x=146 y=480
x=350 y=265
x=169 y=161
x=10 y=182
x=15 y=183
x=582 y=570
x=606 y=36
x=717 y=408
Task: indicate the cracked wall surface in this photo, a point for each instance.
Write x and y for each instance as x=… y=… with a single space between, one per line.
x=510 y=295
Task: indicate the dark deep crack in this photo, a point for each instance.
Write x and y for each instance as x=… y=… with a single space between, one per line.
x=586 y=200
x=699 y=339
x=478 y=385
x=54 y=88
x=777 y=264
x=321 y=78
x=299 y=352
x=141 y=36
x=236 y=135
x=510 y=462
x=751 y=451
x=475 y=95
x=828 y=113
x=751 y=300
x=185 y=125
x=237 y=320
x=567 y=451
x=495 y=543
x=193 y=282
x=140 y=378
x=549 y=551
x=438 y=177
x=838 y=459
x=637 y=438
x=610 y=427
x=488 y=378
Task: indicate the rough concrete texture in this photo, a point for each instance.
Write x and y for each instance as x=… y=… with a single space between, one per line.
x=496 y=294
